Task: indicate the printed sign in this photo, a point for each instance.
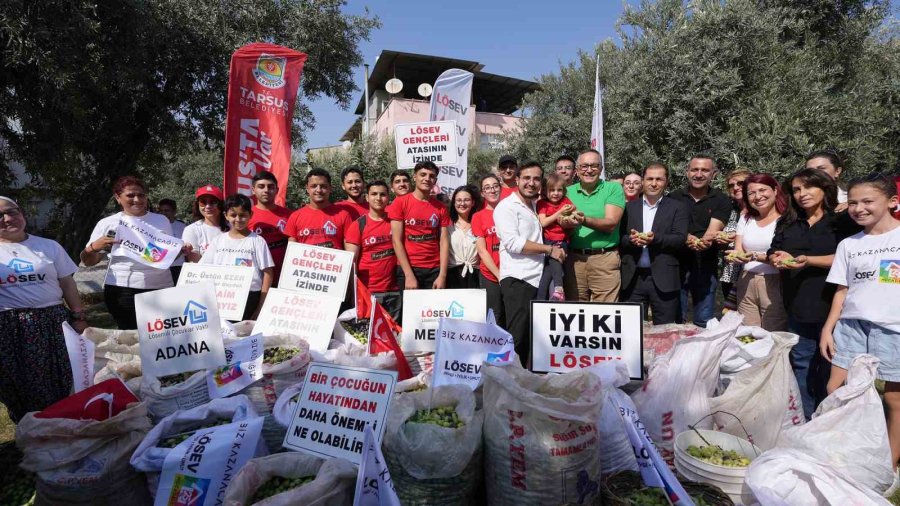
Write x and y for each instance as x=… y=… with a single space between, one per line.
x=432 y=141
x=232 y=285
x=463 y=347
x=316 y=270
x=571 y=335
x=423 y=310
x=304 y=315
x=451 y=100
x=654 y=471
x=374 y=486
x=336 y=404
x=197 y=471
x=244 y=366
x=145 y=243
x=179 y=329
x=81 y=357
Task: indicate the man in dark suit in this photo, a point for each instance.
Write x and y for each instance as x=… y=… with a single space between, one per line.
x=654 y=231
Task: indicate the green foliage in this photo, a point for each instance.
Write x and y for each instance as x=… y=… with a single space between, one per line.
x=92 y=90
x=758 y=84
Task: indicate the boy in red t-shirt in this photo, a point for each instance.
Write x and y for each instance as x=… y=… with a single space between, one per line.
x=269 y=219
x=419 y=231
x=550 y=210
x=319 y=223
x=369 y=239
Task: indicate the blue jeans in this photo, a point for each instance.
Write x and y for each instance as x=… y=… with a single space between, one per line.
x=810 y=369
x=699 y=281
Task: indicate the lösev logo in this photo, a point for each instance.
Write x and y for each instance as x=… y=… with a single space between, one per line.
x=889 y=271
x=154 y=253
x=454 y=310
x=269 y=71
x=188 y=490
x=195 y=312
x=20 y=266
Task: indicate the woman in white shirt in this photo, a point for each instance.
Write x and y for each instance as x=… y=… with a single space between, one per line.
x=462 y=271
x=35 y=278
x=209 y=222
x=759 y=285
x=125 y=277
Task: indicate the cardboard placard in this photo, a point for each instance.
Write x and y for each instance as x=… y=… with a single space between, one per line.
x=570 y=335
x=316 y=270
x=430 y=141
x=464 y=346
x=423 y=309
x=179 y=329
x=299 y=314
x=232 y=285
x=336 y=404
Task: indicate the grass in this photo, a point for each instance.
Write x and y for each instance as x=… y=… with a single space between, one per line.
x=7 y=428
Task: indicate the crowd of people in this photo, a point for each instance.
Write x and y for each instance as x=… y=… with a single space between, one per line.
x=812 y=255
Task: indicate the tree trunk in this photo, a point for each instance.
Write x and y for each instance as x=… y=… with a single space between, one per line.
x=81 y=217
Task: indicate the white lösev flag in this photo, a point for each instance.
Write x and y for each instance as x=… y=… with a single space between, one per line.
x=374 y=486
x=144 y=243
x=452 y=101
x=597 y=122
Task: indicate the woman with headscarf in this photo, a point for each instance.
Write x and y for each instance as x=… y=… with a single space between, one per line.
x=35 y=279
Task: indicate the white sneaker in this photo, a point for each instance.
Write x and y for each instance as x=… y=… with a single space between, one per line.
x=894 y=486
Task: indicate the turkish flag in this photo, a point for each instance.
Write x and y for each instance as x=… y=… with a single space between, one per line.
x=383 y=332
x=363 y=298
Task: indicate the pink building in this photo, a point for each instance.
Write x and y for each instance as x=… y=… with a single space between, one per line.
x=495 y=98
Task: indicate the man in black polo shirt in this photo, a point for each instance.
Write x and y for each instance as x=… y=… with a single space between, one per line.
x=709 y=211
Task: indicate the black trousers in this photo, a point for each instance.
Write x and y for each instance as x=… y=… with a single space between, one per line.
x=456 y=280
x=665 y=305
x=391 y=301
x=120 y=303
x=494 y=299
x=425 y=278
x=252 y=302
x=176 y=272
x=517 y=297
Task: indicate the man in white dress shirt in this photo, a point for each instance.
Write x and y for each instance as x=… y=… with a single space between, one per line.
x=522 y=251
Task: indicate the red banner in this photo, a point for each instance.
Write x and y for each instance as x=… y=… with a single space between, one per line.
x=262 y=89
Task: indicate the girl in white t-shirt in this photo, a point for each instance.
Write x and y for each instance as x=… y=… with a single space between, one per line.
x=242 y=247
x=864 y=316
x=209 y=222
x=759 y=285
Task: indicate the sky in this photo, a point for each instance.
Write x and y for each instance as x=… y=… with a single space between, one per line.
x=522 y=39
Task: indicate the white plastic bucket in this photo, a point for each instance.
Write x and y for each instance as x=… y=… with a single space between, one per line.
x=729 y=479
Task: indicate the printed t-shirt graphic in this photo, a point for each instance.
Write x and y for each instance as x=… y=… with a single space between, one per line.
x=270 y=225
x=319 y=227
x=422 y=222
x=377 y=259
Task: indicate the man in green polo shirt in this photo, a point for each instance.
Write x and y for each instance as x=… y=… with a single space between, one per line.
x=592 y=267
